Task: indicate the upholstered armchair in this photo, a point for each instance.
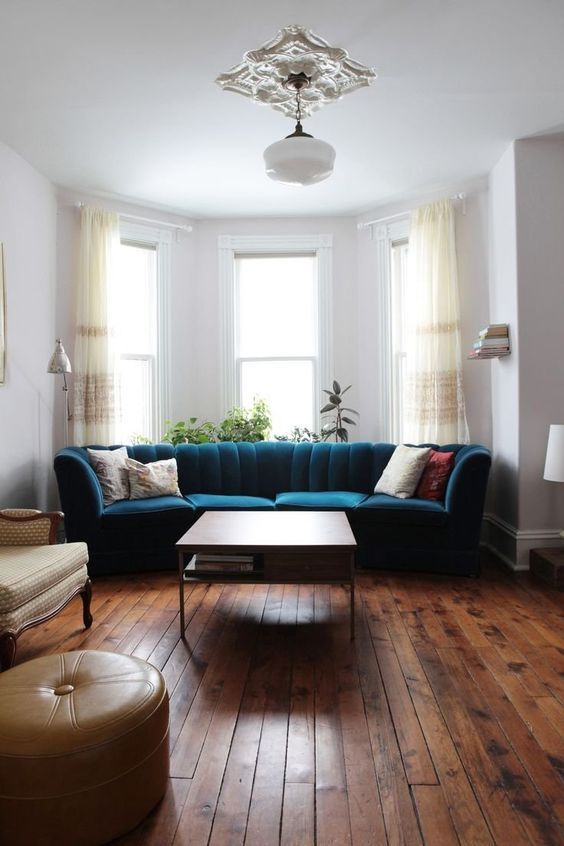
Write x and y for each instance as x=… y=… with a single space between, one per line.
x=38 y=576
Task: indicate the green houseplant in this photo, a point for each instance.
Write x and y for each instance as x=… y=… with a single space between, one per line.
x=335 y=408
x=186 y=432
x=246 y=424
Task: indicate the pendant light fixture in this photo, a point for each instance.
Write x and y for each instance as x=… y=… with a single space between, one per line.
x=299 y=159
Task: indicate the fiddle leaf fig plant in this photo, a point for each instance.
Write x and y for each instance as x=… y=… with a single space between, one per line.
x=334 y=408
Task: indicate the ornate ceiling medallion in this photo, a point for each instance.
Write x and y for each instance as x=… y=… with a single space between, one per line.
x=263 y=73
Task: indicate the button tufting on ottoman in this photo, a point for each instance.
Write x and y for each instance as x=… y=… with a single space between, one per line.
x=83 y=748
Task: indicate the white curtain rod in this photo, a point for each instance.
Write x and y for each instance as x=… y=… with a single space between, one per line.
x=185 y=226
x=367 y=224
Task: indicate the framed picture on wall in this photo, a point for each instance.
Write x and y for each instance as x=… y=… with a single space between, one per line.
x=2 y=317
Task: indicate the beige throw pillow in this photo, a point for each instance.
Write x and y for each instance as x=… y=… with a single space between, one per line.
x=111 y=469
x=403 y=471
x=158 y=478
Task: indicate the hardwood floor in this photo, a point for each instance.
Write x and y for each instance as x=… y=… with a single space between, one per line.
x=443 y=723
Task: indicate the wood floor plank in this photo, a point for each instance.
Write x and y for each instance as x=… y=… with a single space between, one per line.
x=265 y=811
x=230 y=821
x=197 y=816
x=365 y=809
x=434 y=817
x=300 y=754
x=399 y=814
x=332 y=812
x=298 y=817
x=482 y=770
x=554 y=710
x=544 y=767
x=186 y=748
x=160 y=826
x=471 y=827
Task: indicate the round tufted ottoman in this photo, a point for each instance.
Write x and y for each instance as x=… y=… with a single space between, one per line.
x=83 y=748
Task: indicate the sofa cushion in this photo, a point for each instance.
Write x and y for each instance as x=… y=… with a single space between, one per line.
x=403 y=471
x=381 y=508
x=138 y=513
x=217 y=502
x=319 y=500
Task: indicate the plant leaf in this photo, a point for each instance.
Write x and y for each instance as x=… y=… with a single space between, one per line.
x=336 y=387
x=326 y=408
x=325 y=391
x=336 y=400
x=345 y=389
x=348 y=420
x=342 y=434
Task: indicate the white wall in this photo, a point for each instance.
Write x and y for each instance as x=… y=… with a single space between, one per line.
x=205 y=396
x=505 y=371
x=27 y=398
x=527 y=291
x=539 y=165
x=472 y=233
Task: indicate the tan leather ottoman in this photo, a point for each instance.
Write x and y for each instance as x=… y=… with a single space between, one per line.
x=83 y=748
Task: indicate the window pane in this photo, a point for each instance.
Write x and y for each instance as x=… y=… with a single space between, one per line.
x=276 y=305
x=136 y=396
x=135 y=299
x=287 y=387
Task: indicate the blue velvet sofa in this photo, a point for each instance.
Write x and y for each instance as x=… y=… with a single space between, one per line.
x=134 y=535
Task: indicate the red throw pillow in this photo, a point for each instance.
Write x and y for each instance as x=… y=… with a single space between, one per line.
x=434 y=479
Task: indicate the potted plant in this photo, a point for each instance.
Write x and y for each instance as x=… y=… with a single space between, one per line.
x=246 y=424
x=335 y=408
x=186 y=432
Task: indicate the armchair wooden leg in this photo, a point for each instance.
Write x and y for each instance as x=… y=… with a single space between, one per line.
x=7 y=651
x=86 y=595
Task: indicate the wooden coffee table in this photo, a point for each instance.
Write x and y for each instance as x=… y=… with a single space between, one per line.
x=288 y=547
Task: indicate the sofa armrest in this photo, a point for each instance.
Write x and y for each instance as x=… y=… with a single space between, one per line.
x=28 y=527
x=466 y=493
x=80 y=493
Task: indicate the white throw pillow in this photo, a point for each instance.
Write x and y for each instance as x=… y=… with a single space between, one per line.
x=111 y=469
x=403 y=471
x=158 y=478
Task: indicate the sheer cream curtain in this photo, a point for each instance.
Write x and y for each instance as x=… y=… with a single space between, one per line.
x=434 y=398
x=94 y=362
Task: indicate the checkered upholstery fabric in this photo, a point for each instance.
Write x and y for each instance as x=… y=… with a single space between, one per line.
x=24 y=532
x=27 y=572
x=44 y=603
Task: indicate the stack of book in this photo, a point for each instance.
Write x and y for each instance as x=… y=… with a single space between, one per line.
x=217 y=563
x=492 y=342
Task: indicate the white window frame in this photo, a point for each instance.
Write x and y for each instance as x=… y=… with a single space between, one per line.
x=385 y=235
x=160 y=240
x=229 y=246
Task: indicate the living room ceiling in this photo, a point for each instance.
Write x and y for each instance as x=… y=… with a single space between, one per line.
x=117 y=97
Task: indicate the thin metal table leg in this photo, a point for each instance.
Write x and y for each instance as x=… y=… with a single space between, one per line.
x=181 y=591
x=352 y=597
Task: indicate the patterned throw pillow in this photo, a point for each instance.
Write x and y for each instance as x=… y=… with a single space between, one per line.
x=158 y=478
x=111 y=469
x=403 y=471
x=435 y=475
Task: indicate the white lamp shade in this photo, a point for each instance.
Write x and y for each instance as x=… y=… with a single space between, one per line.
x=59 y=361
x=299 y=160
x=554 y=464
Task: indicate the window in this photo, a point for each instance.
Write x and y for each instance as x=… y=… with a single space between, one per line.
x=276 y=332
x=140 y=331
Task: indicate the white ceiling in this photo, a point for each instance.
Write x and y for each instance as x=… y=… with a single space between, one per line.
x=118 y=97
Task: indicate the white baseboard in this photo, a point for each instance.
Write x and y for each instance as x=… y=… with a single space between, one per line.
x=513 y=545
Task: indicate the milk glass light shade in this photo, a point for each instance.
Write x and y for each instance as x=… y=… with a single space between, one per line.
x=299 y=160
x=554 y=464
